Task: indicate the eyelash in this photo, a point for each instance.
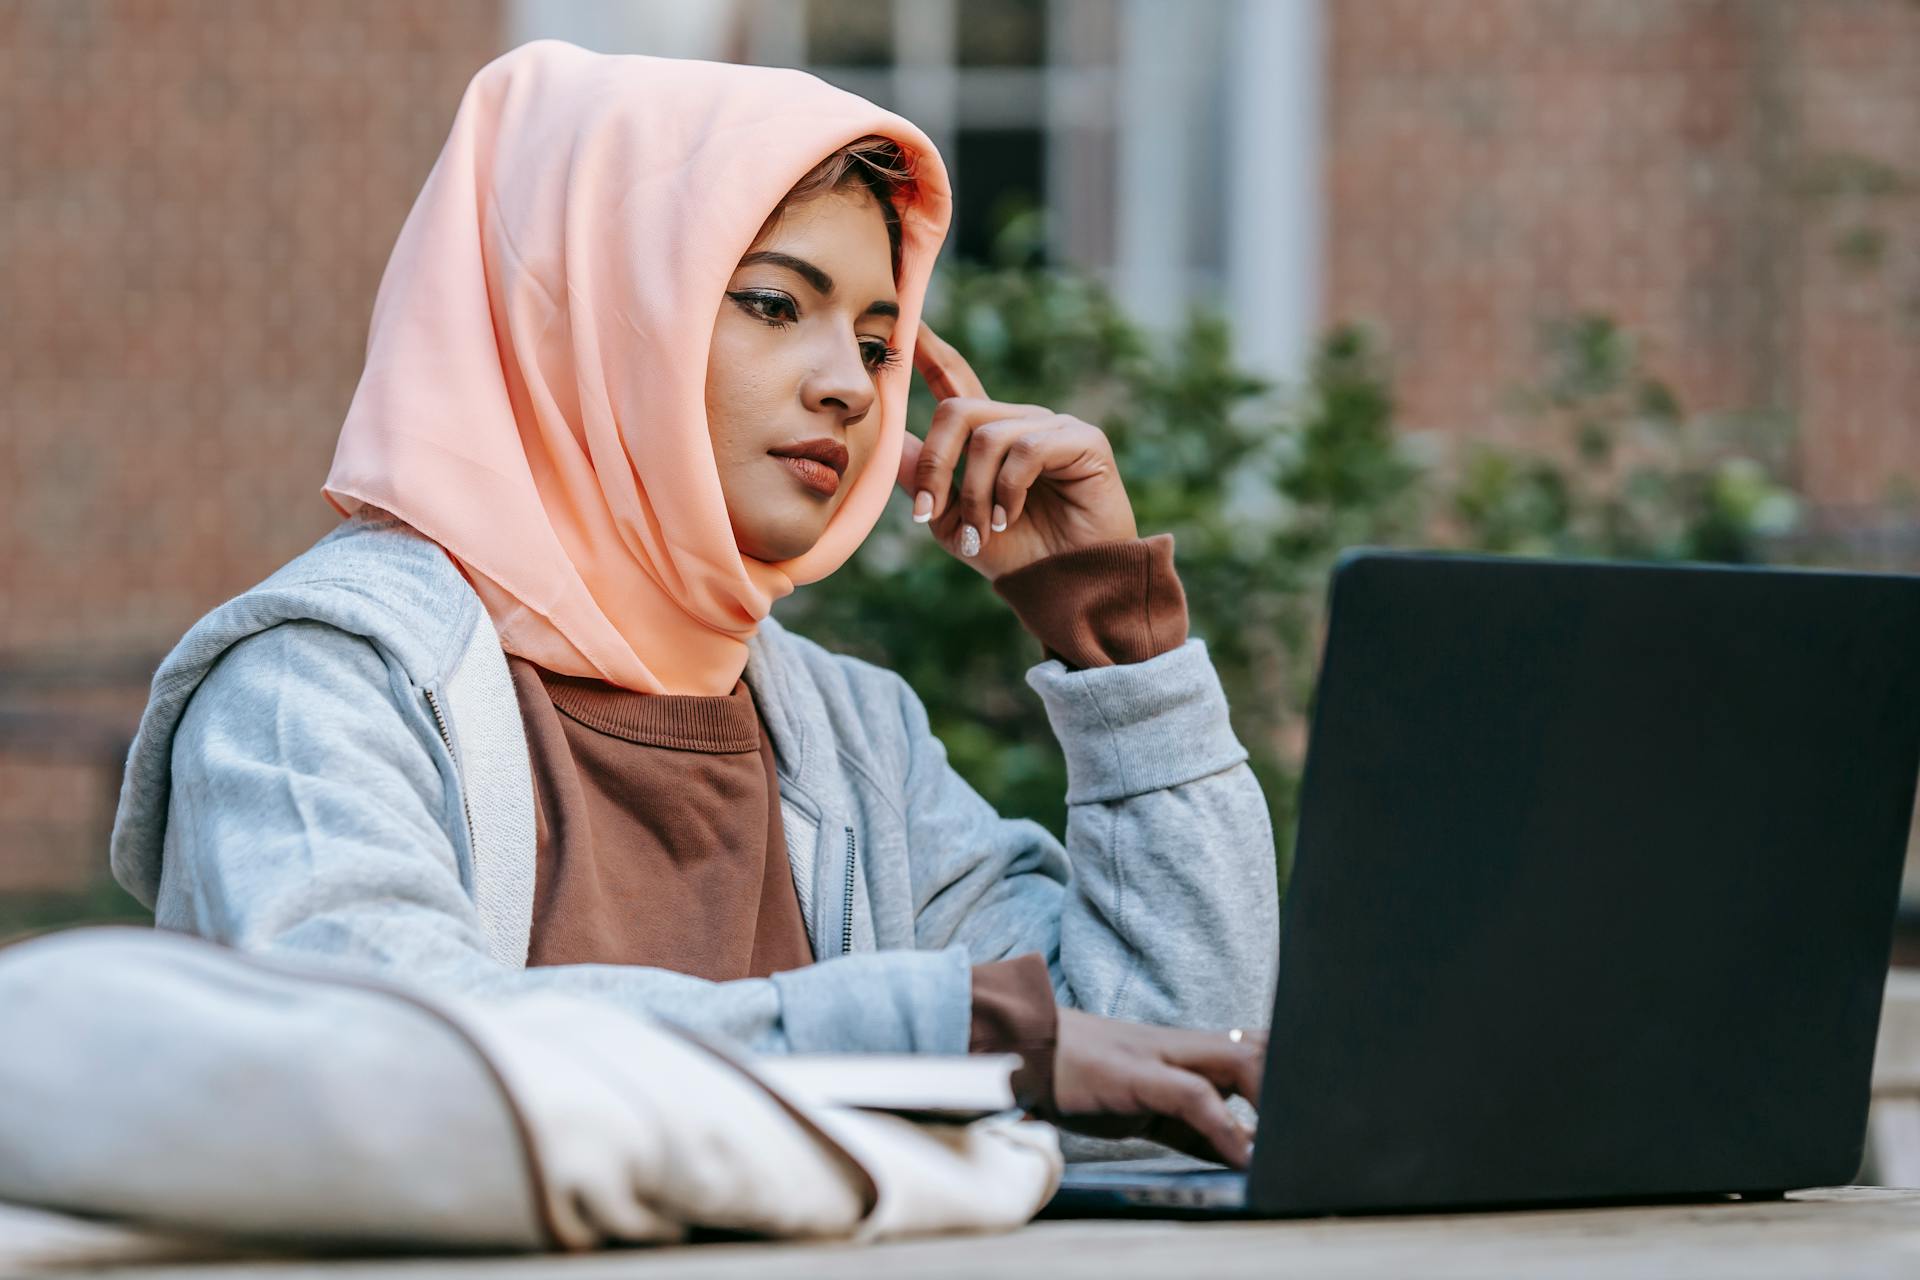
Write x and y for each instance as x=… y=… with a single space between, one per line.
x=890 y=355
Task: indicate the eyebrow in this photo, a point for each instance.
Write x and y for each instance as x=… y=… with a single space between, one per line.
x=820 y=280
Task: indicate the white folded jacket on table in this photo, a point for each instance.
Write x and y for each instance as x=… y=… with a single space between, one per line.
x=160 y=1079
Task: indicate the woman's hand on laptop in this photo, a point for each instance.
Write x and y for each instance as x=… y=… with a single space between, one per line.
x=1115 y=1079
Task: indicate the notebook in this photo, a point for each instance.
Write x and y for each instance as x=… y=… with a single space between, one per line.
x=938 y=1088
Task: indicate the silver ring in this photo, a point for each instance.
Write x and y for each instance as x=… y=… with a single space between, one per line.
x=1236 y=1035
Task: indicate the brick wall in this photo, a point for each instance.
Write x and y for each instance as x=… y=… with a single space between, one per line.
x=1856 y=355
x=197 y=199
x=196 y=202
x=1494 y=163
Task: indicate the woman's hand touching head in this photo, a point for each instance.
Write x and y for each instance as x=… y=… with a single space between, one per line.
x=1036 y=483
x=801 y=339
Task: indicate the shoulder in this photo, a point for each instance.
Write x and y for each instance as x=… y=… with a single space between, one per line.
x=295 y=670
x=376 y=577
x=331 y=640
x=299 y=703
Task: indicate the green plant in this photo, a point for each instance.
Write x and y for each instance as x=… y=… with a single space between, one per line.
x=103 y=902
x=1619 y=470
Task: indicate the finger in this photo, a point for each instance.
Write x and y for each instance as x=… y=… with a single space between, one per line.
x=988 y=482
x=953 y=423
x=1230 y=1067
x=1194 y=1102
x=945 y=369
x=1179 y=1135
x=1064 y=445
x=1024 y=463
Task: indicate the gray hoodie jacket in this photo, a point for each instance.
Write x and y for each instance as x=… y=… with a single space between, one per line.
x=333 y=763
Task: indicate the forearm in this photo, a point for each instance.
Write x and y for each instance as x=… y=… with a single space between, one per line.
x=1171 y=914
x=891 y=1001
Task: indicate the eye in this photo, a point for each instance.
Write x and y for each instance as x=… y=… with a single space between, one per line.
x=778 y=310
x=764 y=304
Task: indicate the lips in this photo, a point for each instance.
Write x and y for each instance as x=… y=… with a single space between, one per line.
x=817 y=476
x=828 y=452
x=818 y=463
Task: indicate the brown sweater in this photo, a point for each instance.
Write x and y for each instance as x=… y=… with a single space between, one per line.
x=657 y=829
x=657 y=817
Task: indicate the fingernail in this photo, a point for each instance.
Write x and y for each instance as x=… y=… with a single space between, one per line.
x=922 y=507
x=969 y=541
x=999 y=517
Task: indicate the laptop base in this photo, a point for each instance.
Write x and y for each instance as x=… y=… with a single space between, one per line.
x=1174 y=1186
x=1110 y=1190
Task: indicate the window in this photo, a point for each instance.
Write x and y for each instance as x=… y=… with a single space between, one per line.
x=1002 y=33
x=1000 y=175
x=849 y=33
x=986 y=79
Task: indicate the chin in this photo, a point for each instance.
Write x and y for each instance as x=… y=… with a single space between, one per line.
x=783 y=543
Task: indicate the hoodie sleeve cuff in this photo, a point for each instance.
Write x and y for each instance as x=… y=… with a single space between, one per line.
x=1103 y=605
x=1128 y=730
x=1014 y=1012
x=878 y=1002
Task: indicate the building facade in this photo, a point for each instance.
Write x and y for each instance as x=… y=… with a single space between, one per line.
x=197 y=200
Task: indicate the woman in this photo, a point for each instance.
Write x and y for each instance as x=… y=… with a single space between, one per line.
x=524 y=719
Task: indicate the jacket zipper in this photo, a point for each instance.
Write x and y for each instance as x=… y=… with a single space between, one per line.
x=846 y=901
x=441 y=720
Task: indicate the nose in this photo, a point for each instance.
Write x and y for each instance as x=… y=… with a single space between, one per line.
x=839 y=383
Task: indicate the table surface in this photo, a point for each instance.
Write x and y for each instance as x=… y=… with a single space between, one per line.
x=1845 y=1231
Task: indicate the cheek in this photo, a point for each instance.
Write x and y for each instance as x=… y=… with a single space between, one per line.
x=733 y=337
x=741 y=390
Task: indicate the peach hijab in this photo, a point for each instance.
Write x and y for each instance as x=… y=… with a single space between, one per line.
x=534 y=396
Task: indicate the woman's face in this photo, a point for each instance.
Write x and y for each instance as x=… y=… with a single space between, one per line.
x=798 y=345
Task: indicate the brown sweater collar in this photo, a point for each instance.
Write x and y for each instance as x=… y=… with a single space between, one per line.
x=717 y=723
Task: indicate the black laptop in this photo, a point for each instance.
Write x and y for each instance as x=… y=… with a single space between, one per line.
x=1593 y=891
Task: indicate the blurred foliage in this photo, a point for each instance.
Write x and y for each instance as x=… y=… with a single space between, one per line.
x=104 y=902
x=1262 y=486
x=1631 y=477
